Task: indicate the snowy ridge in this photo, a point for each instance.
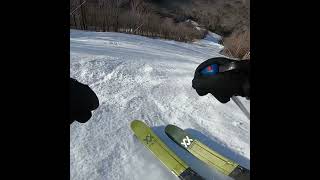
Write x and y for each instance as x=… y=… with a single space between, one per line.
x=149 y=79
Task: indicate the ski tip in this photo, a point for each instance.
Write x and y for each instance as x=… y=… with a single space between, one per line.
x=137 y=123
x=134 y=123
x=172 y=128
x=177 y=134
x=169 y=127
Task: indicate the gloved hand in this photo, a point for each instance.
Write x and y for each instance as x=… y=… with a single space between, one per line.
x=231 y=80
x=82 y=101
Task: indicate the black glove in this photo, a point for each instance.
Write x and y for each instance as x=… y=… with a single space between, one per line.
x=82 y=101
x=231 y=80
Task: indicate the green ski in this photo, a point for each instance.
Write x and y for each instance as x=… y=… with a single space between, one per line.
x=207 y=155
x=152 y=142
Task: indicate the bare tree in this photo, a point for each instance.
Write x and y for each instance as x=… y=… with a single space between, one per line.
x=130 y=16
x=73 y=16
x=135 y=5
x=83 y=16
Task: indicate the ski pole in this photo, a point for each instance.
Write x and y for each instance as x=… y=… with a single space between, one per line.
x=241 y=106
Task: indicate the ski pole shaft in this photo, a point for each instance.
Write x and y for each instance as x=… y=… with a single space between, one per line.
x=241 y=106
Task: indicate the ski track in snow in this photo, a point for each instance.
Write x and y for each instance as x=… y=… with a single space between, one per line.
x=149 y=79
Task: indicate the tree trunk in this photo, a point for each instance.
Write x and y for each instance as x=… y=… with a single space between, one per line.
x=74 y=20
x=83 y=16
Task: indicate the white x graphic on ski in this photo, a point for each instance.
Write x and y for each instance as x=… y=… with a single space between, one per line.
x=186 y=144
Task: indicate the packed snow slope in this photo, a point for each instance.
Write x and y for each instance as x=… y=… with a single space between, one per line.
x=149 y=79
